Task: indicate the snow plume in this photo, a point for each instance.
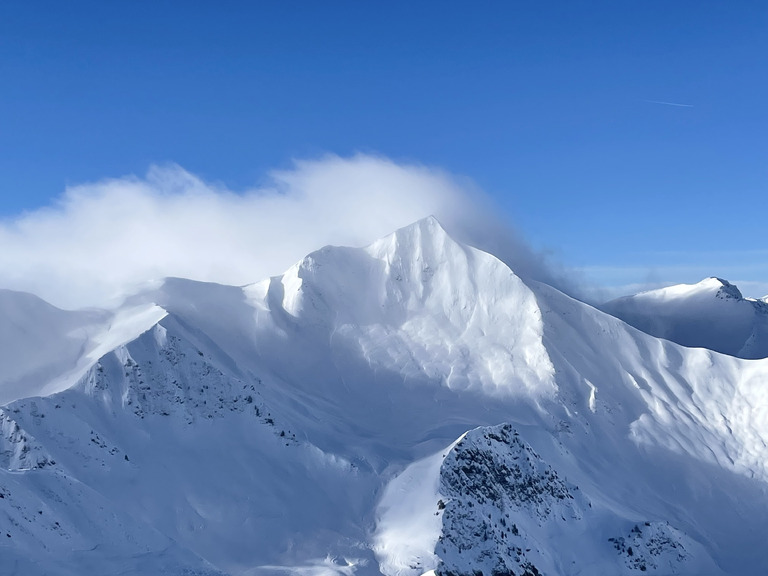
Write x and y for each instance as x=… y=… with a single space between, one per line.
x=104 y=240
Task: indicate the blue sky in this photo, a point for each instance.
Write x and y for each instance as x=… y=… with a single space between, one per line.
x=553 y=108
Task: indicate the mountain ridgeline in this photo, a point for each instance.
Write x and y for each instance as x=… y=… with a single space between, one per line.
x=411 y=407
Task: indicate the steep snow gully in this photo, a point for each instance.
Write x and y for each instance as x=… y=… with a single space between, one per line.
x=411 y=407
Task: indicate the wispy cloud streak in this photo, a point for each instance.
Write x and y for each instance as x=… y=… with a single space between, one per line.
x=669 y=103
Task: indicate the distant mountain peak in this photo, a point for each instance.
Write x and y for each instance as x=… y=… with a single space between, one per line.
x=708 y=286
x=710 y=314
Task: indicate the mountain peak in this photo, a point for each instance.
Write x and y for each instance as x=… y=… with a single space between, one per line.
x=423 y=247
x=428 y=223
x=710 y=314
x=712 y=286
x=405 y=296
x=728 y=290
x=428 y=230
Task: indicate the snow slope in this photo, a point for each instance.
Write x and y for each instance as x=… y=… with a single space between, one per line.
x=711 y=314
x=38 y=342
x=44 y=349
x=407 y=407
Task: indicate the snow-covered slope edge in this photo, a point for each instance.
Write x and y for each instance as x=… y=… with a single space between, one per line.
x=44 y=349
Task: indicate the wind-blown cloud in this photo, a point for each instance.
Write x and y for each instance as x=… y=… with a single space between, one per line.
x=102 y=241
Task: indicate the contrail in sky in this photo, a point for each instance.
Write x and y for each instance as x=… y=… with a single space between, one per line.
x=669 y=103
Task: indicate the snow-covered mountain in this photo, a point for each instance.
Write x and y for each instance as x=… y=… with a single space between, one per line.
x=45 y=349
x=408 y=407
x=711 y=314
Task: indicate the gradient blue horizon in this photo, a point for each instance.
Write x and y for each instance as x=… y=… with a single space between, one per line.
x=628 y=138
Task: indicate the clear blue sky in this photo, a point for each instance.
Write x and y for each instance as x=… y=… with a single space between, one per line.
x=550 y=106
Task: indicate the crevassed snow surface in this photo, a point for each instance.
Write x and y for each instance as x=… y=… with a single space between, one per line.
x=311 y=424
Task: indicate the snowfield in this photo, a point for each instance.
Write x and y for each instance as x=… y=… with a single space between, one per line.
x=409 y=407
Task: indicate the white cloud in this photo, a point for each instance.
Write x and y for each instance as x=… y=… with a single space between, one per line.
x=103 y=240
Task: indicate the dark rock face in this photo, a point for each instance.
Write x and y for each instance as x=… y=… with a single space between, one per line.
x=495 y=483
x=650 y=546
x=507 y=512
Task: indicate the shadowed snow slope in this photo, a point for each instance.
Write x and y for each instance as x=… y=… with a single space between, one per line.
x=406 y=407
x=711 y=314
